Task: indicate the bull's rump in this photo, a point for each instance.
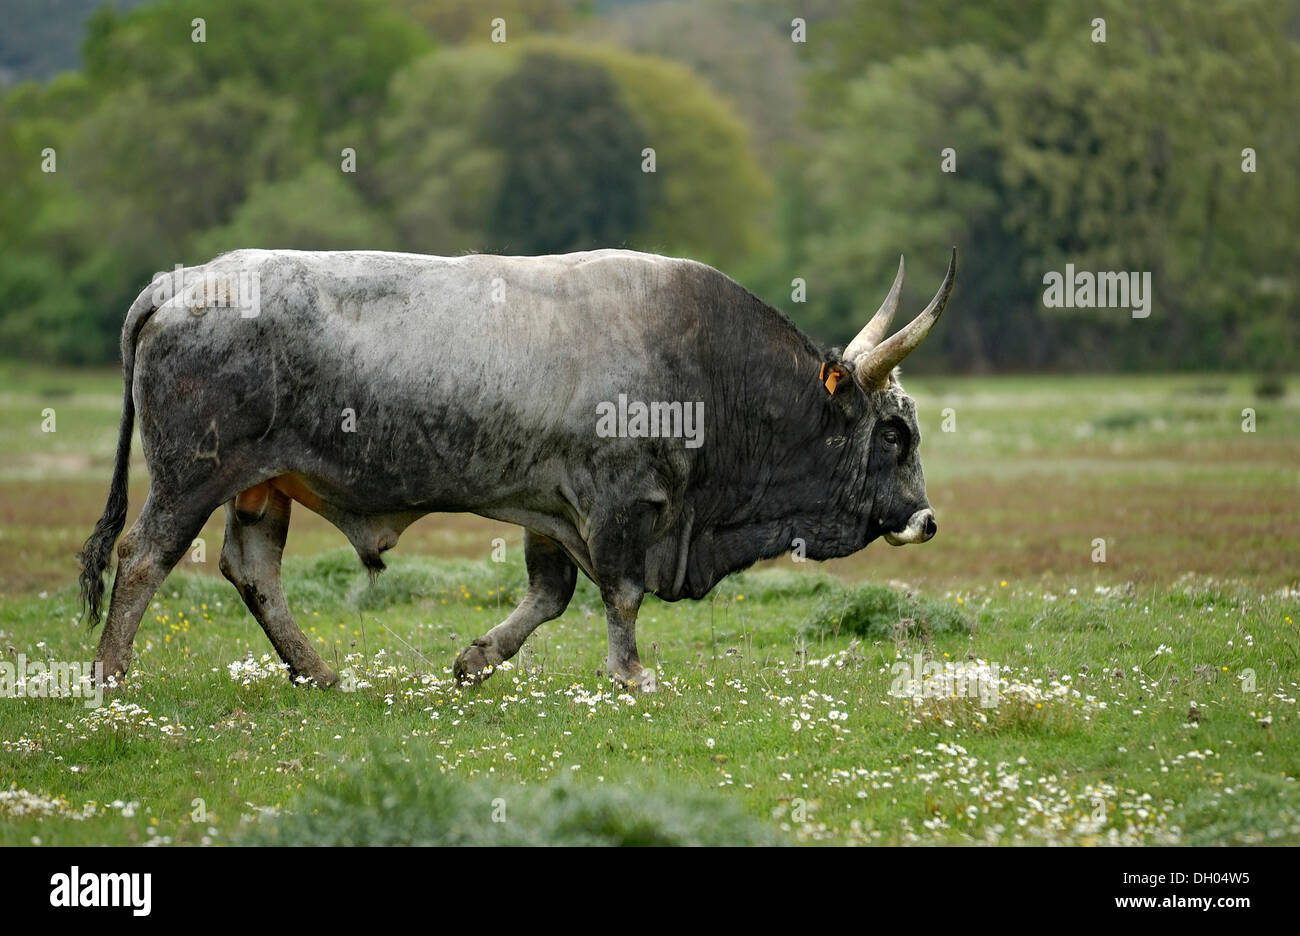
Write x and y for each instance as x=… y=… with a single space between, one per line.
x=438 y=383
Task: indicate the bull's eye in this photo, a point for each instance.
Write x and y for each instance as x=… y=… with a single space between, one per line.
x=890 y=436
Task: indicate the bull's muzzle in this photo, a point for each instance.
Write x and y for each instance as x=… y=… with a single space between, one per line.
x=920 y=527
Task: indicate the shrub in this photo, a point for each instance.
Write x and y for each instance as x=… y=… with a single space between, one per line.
x=875 y=611
x=398 y=799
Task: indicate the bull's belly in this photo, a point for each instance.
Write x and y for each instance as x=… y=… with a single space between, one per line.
x=373 y=526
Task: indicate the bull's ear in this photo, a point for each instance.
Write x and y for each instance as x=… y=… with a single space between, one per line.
x=834 y=376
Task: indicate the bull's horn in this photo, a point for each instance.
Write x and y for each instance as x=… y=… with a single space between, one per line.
x=873 y=368
x=878 y=327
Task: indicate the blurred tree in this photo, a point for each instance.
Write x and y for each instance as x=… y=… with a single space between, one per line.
x=571 y=176
x=1123 y=155
x=869 y=32
x=334 y=58
x=1116 y=156
x=457 y=21
x=876 y=188
x=34 y=118
x=319 y=209
x=442 y=166
x=162 y=139
x=43 y=312
x=709 y=195
x=52 y=269
x=1127 y=155
x=159 y=174
x=760 y=74
x=436 y=175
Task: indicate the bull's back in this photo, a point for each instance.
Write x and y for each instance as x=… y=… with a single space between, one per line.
x=505 y=322
x=394 y=368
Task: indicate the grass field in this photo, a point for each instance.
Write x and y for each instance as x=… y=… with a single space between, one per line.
x=1146 y=699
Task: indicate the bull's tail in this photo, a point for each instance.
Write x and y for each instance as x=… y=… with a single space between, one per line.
x=97 y=552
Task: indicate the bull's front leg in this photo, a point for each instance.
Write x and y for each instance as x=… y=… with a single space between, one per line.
x=622 y=602
x=618 y=544
x=551 y=578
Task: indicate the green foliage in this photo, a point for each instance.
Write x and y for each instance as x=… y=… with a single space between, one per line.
x=1119 y=156
x=875 y=189
x=1123 y=155
x=1126 y=155
x=758 y=75
x=316 y=210
x=575 y=190
x=877 y=31
x=42 y=309
x=188 y=164
x=436 y=177
x=471 y=157
x=396 y=798
x=333 y=58
x=169 y=149
x=713 y=195
x=456 y=21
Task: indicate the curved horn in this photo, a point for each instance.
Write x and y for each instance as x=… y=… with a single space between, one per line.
x=878 y=327
x=873 y=369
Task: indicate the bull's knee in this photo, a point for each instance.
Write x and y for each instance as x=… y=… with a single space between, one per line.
x=126 y=546
x=240 y=568
x=623 y=598
x=135 y=568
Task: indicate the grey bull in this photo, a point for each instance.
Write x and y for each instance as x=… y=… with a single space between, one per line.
x=645 y=419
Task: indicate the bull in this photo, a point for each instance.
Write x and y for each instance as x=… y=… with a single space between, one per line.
x=374 y=388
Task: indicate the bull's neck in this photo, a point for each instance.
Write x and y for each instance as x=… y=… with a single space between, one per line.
x=780 y=473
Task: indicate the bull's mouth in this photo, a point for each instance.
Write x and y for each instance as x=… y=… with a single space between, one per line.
x=920 y=528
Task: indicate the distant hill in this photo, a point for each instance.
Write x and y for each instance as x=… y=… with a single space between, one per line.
x=40 y=38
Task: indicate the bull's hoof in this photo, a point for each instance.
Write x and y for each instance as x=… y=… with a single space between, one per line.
x=475 y=663
x=113 y=679
x=639 y=680
x=320 y=676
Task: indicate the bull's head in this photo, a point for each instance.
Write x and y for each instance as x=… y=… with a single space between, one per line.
x=899 y=507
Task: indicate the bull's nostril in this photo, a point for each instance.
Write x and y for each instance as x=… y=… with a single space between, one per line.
x=930 y=526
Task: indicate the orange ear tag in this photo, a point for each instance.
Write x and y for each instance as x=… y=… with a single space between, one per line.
x=833 y=379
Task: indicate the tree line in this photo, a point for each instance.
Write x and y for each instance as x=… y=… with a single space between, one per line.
x=800 y=154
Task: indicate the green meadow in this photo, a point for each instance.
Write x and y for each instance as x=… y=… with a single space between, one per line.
x=1146 y=699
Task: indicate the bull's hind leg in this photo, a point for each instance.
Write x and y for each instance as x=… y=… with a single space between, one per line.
x=147 y=553
x=551 y=578
x=257 y=524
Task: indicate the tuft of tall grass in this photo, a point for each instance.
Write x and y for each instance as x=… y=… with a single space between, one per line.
x=875 y=611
